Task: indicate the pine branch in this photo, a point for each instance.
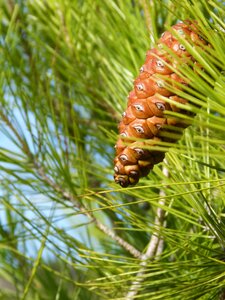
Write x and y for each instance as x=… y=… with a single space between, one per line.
x=154 y=248
x=66 y=75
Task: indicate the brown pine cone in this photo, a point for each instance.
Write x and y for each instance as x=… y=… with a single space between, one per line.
x=144 y=117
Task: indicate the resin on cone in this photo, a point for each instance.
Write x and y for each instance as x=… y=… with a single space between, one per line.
x=144 y=123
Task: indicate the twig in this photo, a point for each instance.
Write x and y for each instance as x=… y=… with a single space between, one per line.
x=155 y=246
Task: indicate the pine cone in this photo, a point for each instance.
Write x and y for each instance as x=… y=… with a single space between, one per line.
x=145 y=116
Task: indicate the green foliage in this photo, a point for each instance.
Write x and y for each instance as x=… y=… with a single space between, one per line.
x=67 y=67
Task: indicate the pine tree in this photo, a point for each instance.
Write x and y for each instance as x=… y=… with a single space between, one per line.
x=68 y=231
